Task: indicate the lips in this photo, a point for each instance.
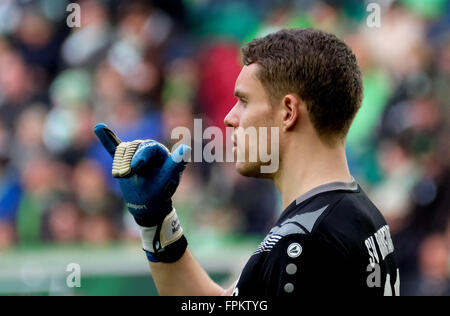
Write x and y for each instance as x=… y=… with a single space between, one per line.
x=233 y=140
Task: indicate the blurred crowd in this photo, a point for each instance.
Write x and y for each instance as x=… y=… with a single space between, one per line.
x=146 y=67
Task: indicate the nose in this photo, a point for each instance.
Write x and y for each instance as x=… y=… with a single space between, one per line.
x=232 y=118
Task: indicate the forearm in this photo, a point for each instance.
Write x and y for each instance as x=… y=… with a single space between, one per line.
x=184 y=277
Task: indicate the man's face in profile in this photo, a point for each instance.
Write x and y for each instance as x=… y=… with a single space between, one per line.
x=252 y=113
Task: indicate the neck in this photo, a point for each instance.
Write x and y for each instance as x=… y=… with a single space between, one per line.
x=302 y=170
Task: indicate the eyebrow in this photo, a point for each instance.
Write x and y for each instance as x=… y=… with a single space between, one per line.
x=239 y=94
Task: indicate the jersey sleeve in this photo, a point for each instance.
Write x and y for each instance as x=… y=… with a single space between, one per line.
x=305 y=265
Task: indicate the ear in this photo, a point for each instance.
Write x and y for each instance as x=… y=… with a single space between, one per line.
x=291 y=111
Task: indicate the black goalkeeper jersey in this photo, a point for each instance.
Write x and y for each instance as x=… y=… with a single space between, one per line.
x=331 y=241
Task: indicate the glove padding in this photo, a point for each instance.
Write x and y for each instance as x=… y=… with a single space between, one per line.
x=148 y=176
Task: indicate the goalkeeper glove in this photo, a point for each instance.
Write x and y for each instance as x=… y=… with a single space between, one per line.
x=148 y=176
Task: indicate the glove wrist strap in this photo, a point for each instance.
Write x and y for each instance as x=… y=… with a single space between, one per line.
x=164 y=242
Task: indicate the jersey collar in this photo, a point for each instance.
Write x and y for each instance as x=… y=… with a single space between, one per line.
x=332 y=186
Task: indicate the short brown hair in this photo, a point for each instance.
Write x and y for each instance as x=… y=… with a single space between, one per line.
x=318 y=67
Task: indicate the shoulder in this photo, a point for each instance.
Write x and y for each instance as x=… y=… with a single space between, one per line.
x=307 y=236
x=327 y=210
x=352 y=218
x=331 y=225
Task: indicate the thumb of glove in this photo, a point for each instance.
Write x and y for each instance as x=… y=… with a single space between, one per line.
x=107 y=137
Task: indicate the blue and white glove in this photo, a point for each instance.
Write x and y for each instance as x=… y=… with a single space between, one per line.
x=148 y=176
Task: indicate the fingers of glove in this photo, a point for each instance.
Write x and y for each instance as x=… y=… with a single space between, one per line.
x=172 y=169
x=122 y=158
x=149 y=155
x=107 y=137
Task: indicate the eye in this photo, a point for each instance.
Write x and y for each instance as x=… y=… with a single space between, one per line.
x=243 y=101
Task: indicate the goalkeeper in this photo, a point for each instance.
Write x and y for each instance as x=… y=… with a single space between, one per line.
x=330 y=239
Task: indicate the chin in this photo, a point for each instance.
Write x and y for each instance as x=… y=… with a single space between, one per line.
x=251 y=169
